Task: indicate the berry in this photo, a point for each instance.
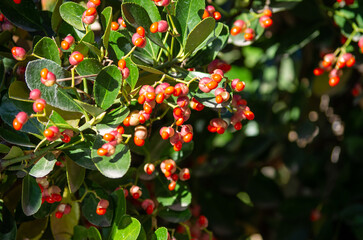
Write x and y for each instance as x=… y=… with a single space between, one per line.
x=102 y=152
x=19 y=53
x=101 y=211
x=318 y=71
x=333 y=81
x=249 y=115
x=139 y=42
x=212 y=85
x=149 y=168
x=154 y=27
x=267 y=12
x=44 y=73
x=178 y=146
x=350 y=62
x=91 y=11
x=148 y=205
x=75 y=58
x=121 y=63
x=188 y=137
x=184 y=174
x=219 y=99
x=238 y=126
x=217 y=16
x=114 y=26
x=17 y=1
x=169 y=90
x=108 y=137
x=205 y=14
x=139 y=142
x=17 y=125
x=120 y=129
x=163 y=26
x=48 y=133
x=65 y=45
x=172 y=185
x=217 y=77
x=265 y=21
x=249 y=34
x=39 y=105
x=66 y=138
x=141 y=31
x=174 y=177
x=58 y=214
x=202 y=221
x=235 y=30
x=135 y=191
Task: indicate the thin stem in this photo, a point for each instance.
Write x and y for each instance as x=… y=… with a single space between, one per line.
x=76 y=77
x=133 y=49
x=187 y=230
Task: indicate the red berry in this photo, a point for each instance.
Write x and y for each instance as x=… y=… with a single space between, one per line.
x=238 y=126
x=58 y=214
x=188 y=137
x=318 y=71
x=101 y=211
x=120 y=129
x=149 y=209
x=178 y=146
x=249 y=115
x=17 y=125
x=267 y=12
x=102 y=152
x=235 y=30
x=114 y=26
x=66 y=138
x=17 y=1
x=172 y=185
x=333 y=81
x=141 y=31
x=139 y=142
x=217 y=15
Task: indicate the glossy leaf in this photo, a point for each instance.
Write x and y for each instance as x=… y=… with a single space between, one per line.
x=106 y=19
x=119 y=45
x=188 y=14
x=8 y=229
x=31 y=197
x=13 y=153
x=72 y=13
x=199 y=34
x=81 y=153
x=152 y=9
x=114 y=166
x=32 y=229
x=136 y=16
x=93 y=110
x=75 y=175
x=160 y=234
x=89 y=207
x=18 y=90
x=107 y=85
x=15 y=137
x=59 y=121
x=128 y=228
x=89 y=66
x=43 y=166
x=175 y=216
x=24 y=15
x=56 y=17
x=47 y=48
x=54 y=95
x=113 y=119
x=119 y=198
x=81 y=47
x=94 y=234
x=134 y=73
x=10 y=108
x=80 y=233
x=180 y=198
x=63 y=228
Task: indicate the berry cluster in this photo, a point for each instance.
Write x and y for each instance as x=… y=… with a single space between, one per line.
x=67 y=42
x=347 y=2
x=162 y=3
x=63 y=209
x=102 y=207
x=196 y=224
x=138 y=39
x=49 y=194
x=5 y=25
x=168 y=168
x=89 y=16
x=161 y=26
x=112 y=138
x=210 y=11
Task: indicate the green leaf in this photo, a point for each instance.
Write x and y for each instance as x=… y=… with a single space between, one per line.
x=174 y=216
x=89 y=207
x=94 y=234
x=43 y=166
x=80 y=233
x=188 y=14
x=93 y=110
x=152 y=9
x=66 y=29
x=4 y=149
x=136 y=16
x=119 y=198
x=31 y=197
x=81 y=47
x=81 y=153
x=146 y=67
x=107 y=85
x=180 y=198
x=119 y=45
x=75 y=175
x=8 y=225
x=160 y=234
x=15 y=137
x=128 y=228
x=113 y=119
x=134 y=73
x=59 y=120
x=106 y=19
x=13 y=153
x=72 y=13
x=10 y=108
x=114 y=166
x=18 y=90
x=89 y=66
x=54 y=95
x=56 y=17
x=199 y=34
x=24 y=15
x=63 y=228
x=47 y=48
x=32 y=229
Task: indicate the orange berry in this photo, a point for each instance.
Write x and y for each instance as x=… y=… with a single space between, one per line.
x=179 y=122
x=39 y=106
x=95 y=2
x=217 y=77
x=148 y=109
x=114 y=26
x=326 y=64
x=169 y=90
x=141 y=31
x=142 y=119
x=79 y=57
x=141 y=99
x=160 y=98
x=169 y=167
x=65 y=45
x=101 y=211
x=187 y=138
x=350 y=62
x=217 y=15
x=219 y=99
x=90 y=11
x=126 y=122
x=167 y=174
x=267 y=12
x=238 y=126
x=249 y=115
x=240 y=86
x=178 y=146
x=212 y=84
x=164 y=135
x=139 y=142
x=150 y=96
x=108 y=137
x=139 y=42
x=220 y=130
x=44 y=73
x=120 y=129
x=205 y=14
x=154 y=27
x=178 y=112
x=248 y=36
x=121 y=63
x=102 y=152
x=333 y=81
x=177 y=92
x=17 y=125
x=48 y=133
x=318 y=71
x=235 y=30
x=172 y=185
